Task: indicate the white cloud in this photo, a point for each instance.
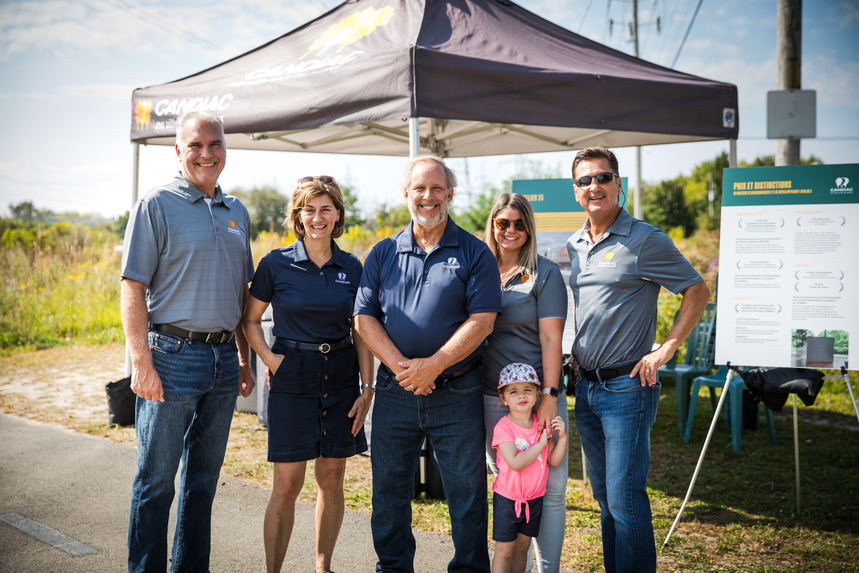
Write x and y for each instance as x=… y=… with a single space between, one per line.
x=109 y=91
x=26 y=96
x=847 y=14
x=836 y=83
x=58 y=25
x=753 y=80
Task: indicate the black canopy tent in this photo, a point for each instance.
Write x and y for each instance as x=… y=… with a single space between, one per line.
x=456 y=78
x=479 y=77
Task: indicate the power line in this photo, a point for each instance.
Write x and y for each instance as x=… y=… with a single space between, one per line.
x=158 y=22
x=607 y=25
x=830 y=138
x=689 y=29
x=667 y=26
x=653 y=20
x=585 y=16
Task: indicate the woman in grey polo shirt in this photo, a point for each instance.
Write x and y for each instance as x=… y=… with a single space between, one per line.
x=529 y=330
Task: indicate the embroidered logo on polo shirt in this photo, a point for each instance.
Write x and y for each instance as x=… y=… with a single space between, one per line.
x=233 y=229
x=341 y=278
x=451 y=263
x=607 y=262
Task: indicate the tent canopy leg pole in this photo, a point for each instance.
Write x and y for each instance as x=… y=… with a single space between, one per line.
x=703 y=450
x=414 y=136
x=636 y=204
x=732 y=153
x=135 y=181
x=796 y=455
x=846 y=379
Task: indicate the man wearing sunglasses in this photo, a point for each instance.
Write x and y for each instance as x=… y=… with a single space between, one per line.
x=619 y=265
x=185 y=272
x=427 y=300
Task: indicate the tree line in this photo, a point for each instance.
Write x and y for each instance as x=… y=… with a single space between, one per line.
x=678 y=206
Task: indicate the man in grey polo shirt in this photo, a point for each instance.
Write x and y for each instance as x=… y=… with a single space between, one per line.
x=618 y=266
x=185 y=272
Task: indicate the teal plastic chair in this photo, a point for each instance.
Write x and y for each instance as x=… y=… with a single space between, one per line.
x=734 y=411
x=700 y=353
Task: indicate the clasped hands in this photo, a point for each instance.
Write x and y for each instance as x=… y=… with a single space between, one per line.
x=417 y=376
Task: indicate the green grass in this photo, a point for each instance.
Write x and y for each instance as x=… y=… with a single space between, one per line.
x=742 y=513
x=741 y=517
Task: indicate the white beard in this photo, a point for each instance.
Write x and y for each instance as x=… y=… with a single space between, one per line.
x=427 y=222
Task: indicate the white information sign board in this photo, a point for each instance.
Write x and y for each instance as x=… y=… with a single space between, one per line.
x=789 y=267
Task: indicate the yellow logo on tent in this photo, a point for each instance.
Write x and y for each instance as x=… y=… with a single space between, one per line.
x=608 y=256
x=351 y=29
x=142 y=114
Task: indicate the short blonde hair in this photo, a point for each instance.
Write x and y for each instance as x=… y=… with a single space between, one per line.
x=528 y=255
x=306 y=192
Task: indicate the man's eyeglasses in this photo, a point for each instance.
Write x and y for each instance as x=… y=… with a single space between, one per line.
x=599 y=177
x=502 y=224
x=324 y=179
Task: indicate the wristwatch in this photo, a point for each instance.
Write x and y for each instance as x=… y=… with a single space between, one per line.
x=553 y=392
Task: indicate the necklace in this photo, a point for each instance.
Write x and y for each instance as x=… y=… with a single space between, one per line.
x=507 y=275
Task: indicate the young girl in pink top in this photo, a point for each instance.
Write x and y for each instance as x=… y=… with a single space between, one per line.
x=523 y=467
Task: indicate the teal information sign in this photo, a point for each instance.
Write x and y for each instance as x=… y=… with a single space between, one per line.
x=794 y=185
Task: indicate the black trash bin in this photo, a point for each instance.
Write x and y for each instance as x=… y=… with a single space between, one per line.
x=121 y=402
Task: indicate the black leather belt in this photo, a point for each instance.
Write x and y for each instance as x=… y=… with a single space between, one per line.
x=207 y=337
x=607 y=373
x=324 y=347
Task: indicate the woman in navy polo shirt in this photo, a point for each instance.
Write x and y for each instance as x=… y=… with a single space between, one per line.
x=316 y=407
x=529 y=329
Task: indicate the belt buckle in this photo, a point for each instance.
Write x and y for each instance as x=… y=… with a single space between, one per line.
x=213 y=338
x=324 y=348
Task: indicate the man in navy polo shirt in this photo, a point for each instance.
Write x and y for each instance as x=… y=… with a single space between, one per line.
x=427 y=300
x=618 y=266
x=186 y=265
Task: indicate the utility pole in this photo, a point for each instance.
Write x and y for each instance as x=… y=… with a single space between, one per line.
x=637 y=211
x=789 y=56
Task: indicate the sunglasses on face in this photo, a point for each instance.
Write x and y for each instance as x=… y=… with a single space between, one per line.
x=599 y=178
x=324 y=179
x=502 y=224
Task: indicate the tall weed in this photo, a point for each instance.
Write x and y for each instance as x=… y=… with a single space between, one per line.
x=54 y=297
x=68 y=289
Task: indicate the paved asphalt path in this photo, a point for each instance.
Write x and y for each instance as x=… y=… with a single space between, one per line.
x=80 y=486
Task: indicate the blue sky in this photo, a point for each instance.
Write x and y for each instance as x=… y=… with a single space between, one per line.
x=68 y=67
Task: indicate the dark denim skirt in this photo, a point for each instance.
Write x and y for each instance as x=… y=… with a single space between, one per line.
x=308 y=405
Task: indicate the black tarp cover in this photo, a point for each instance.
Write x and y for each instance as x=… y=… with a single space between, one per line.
x=485 y=76
x=772 y=385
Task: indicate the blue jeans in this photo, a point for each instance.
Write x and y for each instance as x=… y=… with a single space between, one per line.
x=614 y=418
x=192 y=425
x=550 y=542
x=453 y=418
